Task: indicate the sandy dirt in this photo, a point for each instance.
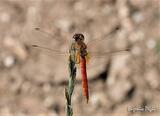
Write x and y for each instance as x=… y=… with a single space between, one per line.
x=33 y=80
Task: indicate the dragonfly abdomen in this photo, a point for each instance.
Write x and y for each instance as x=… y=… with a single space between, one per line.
x=84 y=78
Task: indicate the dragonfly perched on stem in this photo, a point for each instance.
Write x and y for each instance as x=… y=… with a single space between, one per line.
x=79 y=54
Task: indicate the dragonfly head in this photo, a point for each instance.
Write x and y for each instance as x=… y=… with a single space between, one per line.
x=78 y=37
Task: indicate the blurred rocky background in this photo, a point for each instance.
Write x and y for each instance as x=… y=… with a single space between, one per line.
x=32 y=81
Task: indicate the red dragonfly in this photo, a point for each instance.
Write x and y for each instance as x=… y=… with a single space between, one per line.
x=79 y=50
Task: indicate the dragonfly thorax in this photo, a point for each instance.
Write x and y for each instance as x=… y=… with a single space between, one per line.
x=78 y=48
x=80 y=45
x=83 y=49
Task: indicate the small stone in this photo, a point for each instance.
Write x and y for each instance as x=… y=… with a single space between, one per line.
x=119 y=67
x=9 y=61
x=5 y=17
x=151 y=44
x=137 y=36
x=64 y=25
x=16 y=47
x=79 y=6
x=119 y=90
x=136 y=50
x=152 y=78
x=118 y=81
x=98 y=98
x=138 y=17
x=6 y=111
x=49 y=101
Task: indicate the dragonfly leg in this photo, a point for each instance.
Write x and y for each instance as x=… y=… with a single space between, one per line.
x=77 y=58
x=77 y=61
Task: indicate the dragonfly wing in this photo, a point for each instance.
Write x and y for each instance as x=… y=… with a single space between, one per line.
x=108 y=53
x=103 y=37
x=56 y=55
x=56 y=52
x=53 y=62
x=99 y=60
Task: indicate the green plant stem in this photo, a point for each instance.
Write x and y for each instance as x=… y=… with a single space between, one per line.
x=70 y=87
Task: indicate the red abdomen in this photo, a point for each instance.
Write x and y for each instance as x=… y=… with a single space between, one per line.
x=84 y=78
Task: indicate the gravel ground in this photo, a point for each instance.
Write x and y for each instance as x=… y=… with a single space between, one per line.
x=33 y=80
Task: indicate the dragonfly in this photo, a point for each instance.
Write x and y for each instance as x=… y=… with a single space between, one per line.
x=79 y=53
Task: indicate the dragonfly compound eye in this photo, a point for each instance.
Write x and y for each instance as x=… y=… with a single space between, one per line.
x=78 y=36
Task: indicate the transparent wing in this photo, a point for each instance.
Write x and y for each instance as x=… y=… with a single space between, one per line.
x=48 y=43
x=56 y=52
x=108 y=53
x=104 y=37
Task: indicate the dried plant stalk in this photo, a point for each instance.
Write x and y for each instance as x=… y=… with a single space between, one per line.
x=70 y=87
